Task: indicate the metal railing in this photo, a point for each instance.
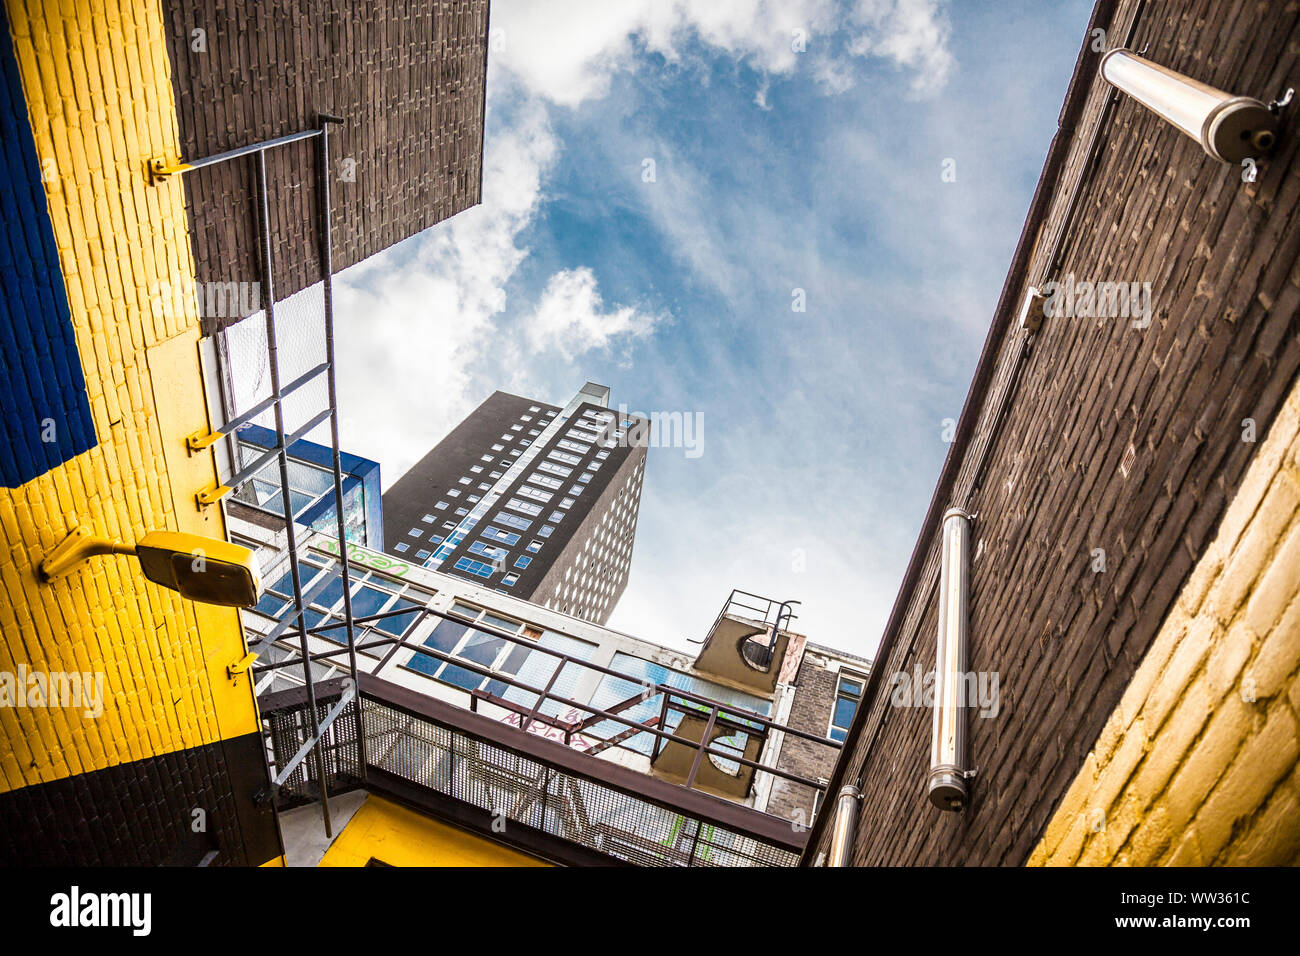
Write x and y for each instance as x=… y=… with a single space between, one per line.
x=674 y=700
x=274 y=403
x=775 y=616
x=534 y=793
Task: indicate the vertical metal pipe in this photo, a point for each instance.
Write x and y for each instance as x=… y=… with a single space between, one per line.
x=273 y=361
x=947 y=786
x=1229 y=128
x=327 y=268
x=844 y=827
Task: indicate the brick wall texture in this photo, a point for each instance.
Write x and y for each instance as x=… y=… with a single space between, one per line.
x=98 y=105
x=810 y=711
x=408 y=76
x=1129 y=440
x=1198 y=763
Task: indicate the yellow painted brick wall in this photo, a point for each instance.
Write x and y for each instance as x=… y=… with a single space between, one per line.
x=402 y=837
x=1198 y=763
x=96 y=81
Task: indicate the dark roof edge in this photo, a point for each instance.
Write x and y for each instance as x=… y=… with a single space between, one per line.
x=1075 y=97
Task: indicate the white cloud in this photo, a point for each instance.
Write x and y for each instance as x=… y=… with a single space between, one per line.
x=568 y=52
x=571 y=319
x=912 y=33
x=413 y=317
x=423 y=311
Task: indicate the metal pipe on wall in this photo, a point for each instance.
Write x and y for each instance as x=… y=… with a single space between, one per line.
x=948 y=758
x=845 y=827
x=1229 y=128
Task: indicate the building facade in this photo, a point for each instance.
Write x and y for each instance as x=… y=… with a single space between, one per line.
x=1117 y=515
x=536 y=500
x=311 y=487
x=408 y=81
x=153 y=717
x=820 y=689
x=604 y=704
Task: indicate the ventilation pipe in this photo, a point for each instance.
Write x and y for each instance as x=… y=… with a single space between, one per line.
x=948 y=771
x=1229 y=128
x=845 y=825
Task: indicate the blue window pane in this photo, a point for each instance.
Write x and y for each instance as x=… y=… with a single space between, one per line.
x=459 y=677
x=270 y=605
x=368 y=600
x=446 y=636
x=331 y=593
x=481 y=648
x=844 y=712
x=398 y=624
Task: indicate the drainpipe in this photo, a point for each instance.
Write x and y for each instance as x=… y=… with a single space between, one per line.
x=1229 y=128
x=846 y=821
x=948 y=771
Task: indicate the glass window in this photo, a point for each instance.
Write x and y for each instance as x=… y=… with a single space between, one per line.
x=429 y=518
x=848 y=693
x=546 y=530
x=534 y=546
x=523 y=561
x=510 y=579
x=416 y=532
x=422 y=554
x=488 y=551
x=401 y=547
x=506 y=537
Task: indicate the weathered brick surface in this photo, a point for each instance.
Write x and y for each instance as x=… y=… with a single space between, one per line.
x=810 y=711
x=1212 y=716
x=95 y=79
x=1125 y=439
x=407 y=75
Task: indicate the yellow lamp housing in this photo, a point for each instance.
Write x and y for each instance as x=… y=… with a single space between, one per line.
x=200 y=568
x=203 y=569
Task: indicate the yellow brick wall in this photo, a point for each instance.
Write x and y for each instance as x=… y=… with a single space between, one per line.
x=1198 y=763
x=95 y=76
x=401 y=837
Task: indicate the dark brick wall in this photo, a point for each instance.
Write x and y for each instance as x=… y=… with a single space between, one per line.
x=810 y=711
x=407 y=75
x=142 y=813
x=1116 y=438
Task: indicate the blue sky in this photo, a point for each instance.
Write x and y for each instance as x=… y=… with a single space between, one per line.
x=783 y=161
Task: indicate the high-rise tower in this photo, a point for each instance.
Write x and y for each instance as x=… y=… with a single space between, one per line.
x=535 y=500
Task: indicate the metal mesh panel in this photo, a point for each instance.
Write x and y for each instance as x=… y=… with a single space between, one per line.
x=288 y=729
x=300 y=338
x=582 y=811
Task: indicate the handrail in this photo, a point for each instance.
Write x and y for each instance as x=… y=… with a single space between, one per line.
x=545 y=693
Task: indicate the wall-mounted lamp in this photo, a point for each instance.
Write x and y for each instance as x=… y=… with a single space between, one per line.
x=948 y=771
x=200 y=568
x=1229 y=128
